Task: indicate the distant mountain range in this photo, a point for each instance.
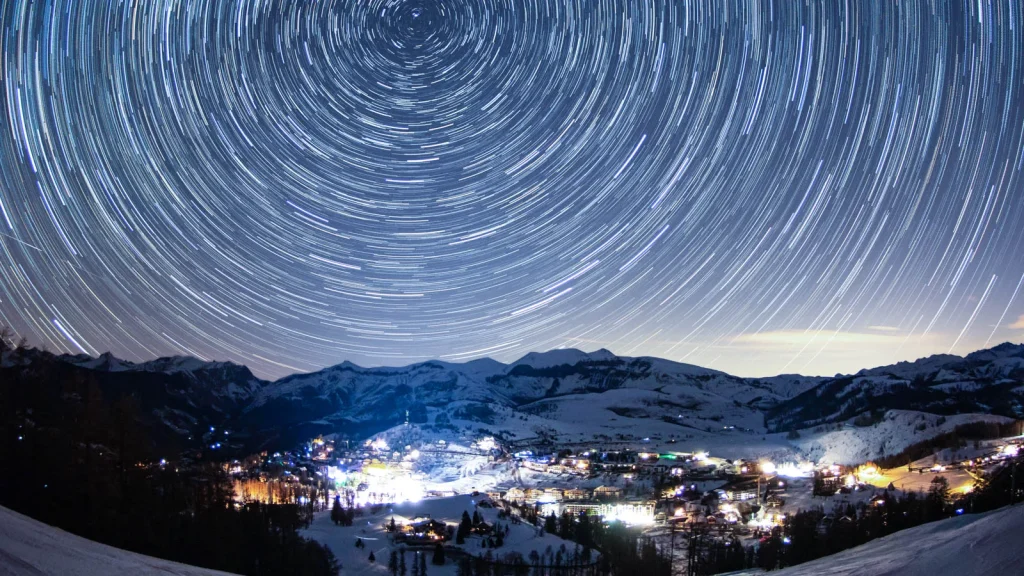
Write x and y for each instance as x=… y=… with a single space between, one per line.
x=569 y=394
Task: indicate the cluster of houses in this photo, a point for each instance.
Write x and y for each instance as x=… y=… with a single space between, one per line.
x=603 y=501
x=420 y=531
x=552 y=495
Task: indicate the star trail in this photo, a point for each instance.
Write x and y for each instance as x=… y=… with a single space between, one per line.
x=753 y=186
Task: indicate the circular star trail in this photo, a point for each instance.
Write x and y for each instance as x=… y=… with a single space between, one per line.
x=749 y=185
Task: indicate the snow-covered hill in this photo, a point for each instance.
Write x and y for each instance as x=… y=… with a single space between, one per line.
x=849 y=444
x=970 y=545
x=521 y=540
x=31 y=548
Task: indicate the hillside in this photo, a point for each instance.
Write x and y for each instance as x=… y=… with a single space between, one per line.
x=31 y=548
x=892 y=433
x=970 y=545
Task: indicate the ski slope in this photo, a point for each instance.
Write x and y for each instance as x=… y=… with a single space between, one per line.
x=31 y=548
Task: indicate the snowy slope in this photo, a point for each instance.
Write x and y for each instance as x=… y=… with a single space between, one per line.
x=31 y=548
x=897 y=430
x=971 y=545
x=522 y=538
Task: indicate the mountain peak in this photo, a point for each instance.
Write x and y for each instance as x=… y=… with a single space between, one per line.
x=562 y=356
x=172 y=364
x=1004 y=350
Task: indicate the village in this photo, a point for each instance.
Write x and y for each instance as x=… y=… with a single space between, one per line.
x=660 y=494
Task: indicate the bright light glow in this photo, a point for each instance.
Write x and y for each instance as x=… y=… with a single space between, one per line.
x=1011 y=450
x=379 y=444
x=795 y=470
x=392 y=486
x=767 y=467
x=629 y=514
x=867 y=471
x=486 y=444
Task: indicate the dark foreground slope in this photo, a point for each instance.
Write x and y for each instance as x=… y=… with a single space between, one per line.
x=970 y=545
x=31 y=548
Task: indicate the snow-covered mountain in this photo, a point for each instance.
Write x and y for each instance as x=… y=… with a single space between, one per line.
x=562 y=392
x=566 y=394
x=988 y=381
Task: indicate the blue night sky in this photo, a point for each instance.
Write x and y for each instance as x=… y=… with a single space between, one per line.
x=757 y=187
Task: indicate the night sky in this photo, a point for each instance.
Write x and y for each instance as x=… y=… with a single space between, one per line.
x=757 y=187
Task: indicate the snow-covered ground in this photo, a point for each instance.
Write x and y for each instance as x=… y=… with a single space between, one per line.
x=522 y=538
x=971 y=545
x=31 y=548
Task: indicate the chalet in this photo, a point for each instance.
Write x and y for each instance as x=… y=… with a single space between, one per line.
x=607 y=492
x=535 y=466
x=423 y=531
x=534 y=494
x=553 y=495
x=515 y=494
x=575 y=464
x=576 y=494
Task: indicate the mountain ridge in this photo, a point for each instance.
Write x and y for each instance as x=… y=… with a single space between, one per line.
x=566 y=393
x=534 y=358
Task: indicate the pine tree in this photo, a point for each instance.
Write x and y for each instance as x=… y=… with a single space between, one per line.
x=438 y=555
x=393 y=563
x=423 y=565
x=416 y=565
x=372 y=557
x=938 y=495
x=401 y=564
x=551 y=524
x=337 y=514
x=465 y=527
